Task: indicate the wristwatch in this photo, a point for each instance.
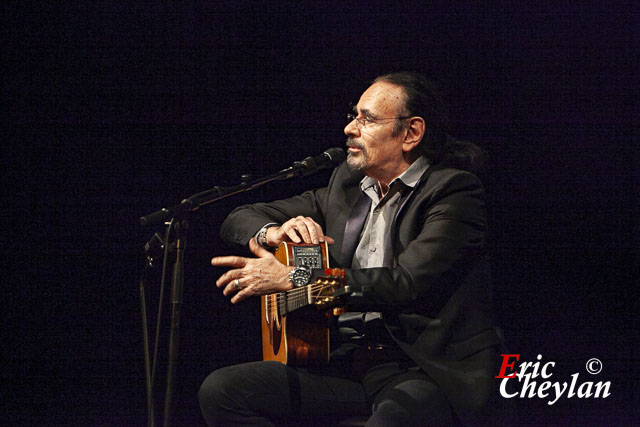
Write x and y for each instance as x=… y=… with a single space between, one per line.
x=300 y=276
x=261 y=235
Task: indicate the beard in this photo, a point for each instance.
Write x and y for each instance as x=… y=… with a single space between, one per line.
x=356 y=161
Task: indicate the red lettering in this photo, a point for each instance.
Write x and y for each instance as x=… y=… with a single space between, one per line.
x=506 y=364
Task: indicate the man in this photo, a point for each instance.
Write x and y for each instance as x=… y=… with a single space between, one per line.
x=419 y=344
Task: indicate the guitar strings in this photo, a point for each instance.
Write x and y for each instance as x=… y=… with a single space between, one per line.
x=297 y=294
x=300 y=292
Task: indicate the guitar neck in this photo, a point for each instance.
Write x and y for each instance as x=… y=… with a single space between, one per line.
x=320 y=293
x=293 y=299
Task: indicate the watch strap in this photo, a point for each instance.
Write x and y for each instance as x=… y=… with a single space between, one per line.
x=261 y=235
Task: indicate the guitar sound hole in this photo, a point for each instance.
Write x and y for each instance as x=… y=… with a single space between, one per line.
x=276 y=336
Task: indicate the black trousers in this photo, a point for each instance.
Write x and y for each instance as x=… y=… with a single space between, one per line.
x=269 y=393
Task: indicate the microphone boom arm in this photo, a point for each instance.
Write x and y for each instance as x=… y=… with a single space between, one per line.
x=309 y=165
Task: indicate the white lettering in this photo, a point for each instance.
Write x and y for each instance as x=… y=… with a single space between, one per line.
x=544 y=369
x=559 y=392
x=584 y=393
x=503 y=389
x=541 y=390
x=553 y=391
x=536 y=366
x=599 y=386
x=523 y=369
x=574 y=379
x=531 y=387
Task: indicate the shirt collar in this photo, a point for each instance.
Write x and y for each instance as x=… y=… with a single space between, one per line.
x=409 y=178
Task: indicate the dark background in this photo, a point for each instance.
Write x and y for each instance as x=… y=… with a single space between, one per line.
x=115 y=109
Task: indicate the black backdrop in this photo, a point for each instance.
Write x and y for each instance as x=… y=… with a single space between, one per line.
x=115 y=109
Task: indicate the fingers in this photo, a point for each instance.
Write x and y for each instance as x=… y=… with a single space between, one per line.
x=230 y=286
x=237 y=286
x=303 y=229
x=260 y=276
x=258 y=250
x=241 y=280
x=242 y=294
x=227 y=278
x=315 y=230
x=229 y=261
x=297 y=230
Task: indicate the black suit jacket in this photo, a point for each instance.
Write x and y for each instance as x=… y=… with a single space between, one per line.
x=436 y=299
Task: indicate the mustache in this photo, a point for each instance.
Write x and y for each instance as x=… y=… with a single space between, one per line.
x=352 y=143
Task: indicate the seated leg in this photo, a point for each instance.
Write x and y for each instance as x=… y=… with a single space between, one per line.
x=411 y=398
x=261 y=393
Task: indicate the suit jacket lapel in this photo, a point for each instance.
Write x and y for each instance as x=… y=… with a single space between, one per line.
x=403 y=203
x=357 y=217
x=407 y=196
x=353 y=228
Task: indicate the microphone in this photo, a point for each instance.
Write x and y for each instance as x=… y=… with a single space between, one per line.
x=329 y=159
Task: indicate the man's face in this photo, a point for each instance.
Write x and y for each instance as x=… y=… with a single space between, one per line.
x=372 y=147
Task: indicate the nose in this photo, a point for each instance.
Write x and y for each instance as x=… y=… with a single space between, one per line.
x=351 y=129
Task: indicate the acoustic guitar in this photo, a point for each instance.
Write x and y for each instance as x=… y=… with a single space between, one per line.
x=294 y=332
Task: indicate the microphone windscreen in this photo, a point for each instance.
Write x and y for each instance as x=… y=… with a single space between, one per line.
x=331 y=157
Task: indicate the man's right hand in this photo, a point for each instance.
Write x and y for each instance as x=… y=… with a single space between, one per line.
x=297 y=230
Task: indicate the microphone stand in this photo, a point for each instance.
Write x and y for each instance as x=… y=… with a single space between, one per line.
x=177 y=215
x=193 y=203
x=147 y=358
x=155 y=247
x=177 y=288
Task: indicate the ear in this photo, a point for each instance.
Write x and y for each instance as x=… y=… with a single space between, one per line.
x=415 y=132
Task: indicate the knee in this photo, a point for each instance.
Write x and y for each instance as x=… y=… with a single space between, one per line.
x=216 y=395
x=413 y=402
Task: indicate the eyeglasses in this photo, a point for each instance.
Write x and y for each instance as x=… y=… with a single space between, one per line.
x=362 y=122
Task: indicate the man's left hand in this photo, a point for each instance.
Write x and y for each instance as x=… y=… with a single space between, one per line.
x=252 y=276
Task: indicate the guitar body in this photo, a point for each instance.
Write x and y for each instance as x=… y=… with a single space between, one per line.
x=295 y=339
x=300 y=337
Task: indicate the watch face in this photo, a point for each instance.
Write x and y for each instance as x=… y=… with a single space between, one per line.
x=300 y=276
